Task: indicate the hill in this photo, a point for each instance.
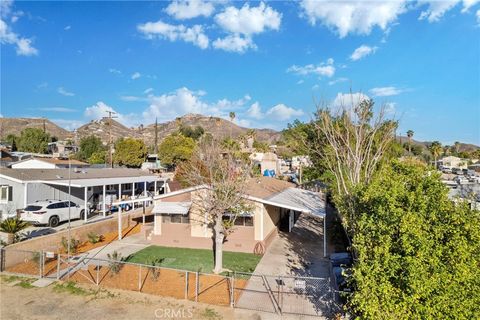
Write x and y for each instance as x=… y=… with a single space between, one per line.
x=16 y=125
x=463 y=147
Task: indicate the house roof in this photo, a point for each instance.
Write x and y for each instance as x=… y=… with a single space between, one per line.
x=86 y=177
x=57 y=161
x=265 y=187
x=172 y=207
x=305 y=200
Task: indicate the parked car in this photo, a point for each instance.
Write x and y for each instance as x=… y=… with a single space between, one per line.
x=446 y=170
x=457 y=171
x=340 y=258
x=52 y=212
x=460 y=180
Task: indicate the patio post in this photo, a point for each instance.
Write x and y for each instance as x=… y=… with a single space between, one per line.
x=325 y=235
x=155 y=188
x=133 y=194
x=119 y=192
x=103 y=200
x=119 y=222
x=145 y=188
x=85 y=203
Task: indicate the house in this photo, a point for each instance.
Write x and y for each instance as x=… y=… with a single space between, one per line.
x=275 y=205
x=453 y=162
x=62 y=148
x=48 y=163
x=89 y=187
x=267 y=161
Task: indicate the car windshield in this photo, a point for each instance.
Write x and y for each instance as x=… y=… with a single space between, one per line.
x=32 y=208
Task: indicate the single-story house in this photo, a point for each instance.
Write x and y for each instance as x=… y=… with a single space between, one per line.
x=275 y=205
x=19 y=187
x=48 y=163
x=453 y=162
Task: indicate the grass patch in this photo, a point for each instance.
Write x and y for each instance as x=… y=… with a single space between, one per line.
x=23 y=282
x=210 y=314
x=195 y=259
x=71 y=287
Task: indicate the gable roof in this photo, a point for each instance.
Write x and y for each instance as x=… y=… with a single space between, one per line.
x=56 y=161
x=266 y=187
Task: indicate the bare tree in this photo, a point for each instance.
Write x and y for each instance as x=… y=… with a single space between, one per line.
x=355 y=141
x=222 y=181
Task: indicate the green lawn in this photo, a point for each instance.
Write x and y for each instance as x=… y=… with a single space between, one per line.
x=195 y=259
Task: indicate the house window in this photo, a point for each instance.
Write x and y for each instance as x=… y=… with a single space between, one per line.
x=5 y=194
x=175 y=218
x=244 y=221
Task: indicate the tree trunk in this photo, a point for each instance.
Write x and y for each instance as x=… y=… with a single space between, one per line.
x=219 y=236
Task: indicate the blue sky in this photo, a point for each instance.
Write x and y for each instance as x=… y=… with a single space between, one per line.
x=269 y=62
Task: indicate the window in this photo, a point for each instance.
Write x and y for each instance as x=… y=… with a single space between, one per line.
x=246 y=221
x=5 y=194
x=32 y=208
x=72 y=204
x=175 y=218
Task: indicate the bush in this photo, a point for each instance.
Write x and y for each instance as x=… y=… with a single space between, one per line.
x=74 y=244
x=115 y=264
x=94 y=237
x=154 y=263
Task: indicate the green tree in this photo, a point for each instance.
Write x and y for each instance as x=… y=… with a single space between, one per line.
x=418 y=251
x=194 y=133
x=436 y=150
x=12 y=226
x=261 y=146
x=33 y=140
x=88 y=146
x=175 y=149
x=130 y=152
x=98 y=157
x=409 y=135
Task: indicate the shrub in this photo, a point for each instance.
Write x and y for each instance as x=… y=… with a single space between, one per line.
x=115 y=264
x=94 y=237
x=74 y=244
x=154 y=263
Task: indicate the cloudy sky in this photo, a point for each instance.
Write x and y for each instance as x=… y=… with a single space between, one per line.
x=269 y=62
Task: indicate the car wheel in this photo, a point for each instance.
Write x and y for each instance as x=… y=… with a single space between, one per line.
x=53 y=221
x=82 y=215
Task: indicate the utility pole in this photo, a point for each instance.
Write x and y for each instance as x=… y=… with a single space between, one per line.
x=156 y=137
x=44 y=128
x=110 y=142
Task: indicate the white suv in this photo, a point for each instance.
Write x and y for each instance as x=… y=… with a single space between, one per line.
x=51 y=212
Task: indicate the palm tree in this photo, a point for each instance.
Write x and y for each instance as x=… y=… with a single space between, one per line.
x=13 y=226
x=456 y=145
x=410 y=135
x=436 y=149
x=232 y=117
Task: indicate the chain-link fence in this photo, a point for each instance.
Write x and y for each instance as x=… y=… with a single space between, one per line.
x=274 y=294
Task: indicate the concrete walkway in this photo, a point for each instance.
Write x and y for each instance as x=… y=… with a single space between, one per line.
x=291 y=255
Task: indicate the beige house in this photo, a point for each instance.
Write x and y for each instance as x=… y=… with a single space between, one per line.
x=453 y=162
x=275 y=205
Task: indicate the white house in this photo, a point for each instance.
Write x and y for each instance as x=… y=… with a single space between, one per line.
x=48 y=163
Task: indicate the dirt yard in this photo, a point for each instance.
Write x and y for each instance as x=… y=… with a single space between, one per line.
x=19 y=300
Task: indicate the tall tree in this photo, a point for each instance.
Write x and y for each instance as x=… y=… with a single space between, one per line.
x=436 y=150
x=33 y=140
x=456 y=145
x=356 y=142
x=232 y=118
x=175 y=148
x=130 y=152
x=88 y=146
x=409 y=135
x=418 y=251
x=224 y=178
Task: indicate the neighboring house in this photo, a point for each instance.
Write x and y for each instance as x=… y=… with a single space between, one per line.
x=48 y=163
x=475 y=167
x=266 y=161
x=152 y=164
x=275 y=205
x=19 y=187
x=62 y=148
x=468 y=192
x=453 y=162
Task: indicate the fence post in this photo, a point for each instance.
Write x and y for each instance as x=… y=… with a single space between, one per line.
x=232 y=297
x=140 y=278
x=2 y=259
x=98 y=271
x=186 y=285
x=40 y=263
x=58 y=265
x=196 y=286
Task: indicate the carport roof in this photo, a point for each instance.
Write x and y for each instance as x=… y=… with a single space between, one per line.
x=303 y=200
x=79 y=178
x=172 y=207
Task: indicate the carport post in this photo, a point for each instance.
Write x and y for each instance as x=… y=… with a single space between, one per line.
x=119 y=222
x=133 y=194
x=325 y=235
x=85 y=195
x=119 y=192
x=145 y=188
x=155 y=188
x=103 y=201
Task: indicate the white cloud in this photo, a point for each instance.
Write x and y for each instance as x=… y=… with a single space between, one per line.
x=249 y=20
x=64 y=92
x=189 y=9
x=347 y=100
x=147 y=91
x=99 y=111
x=315 y=87
x=282 y=112
x=300 y=81
x=362 y=52
x=478 y=16
x=136 y=75
x=67 y=28
x=7 y=36
x=255 y=111
x=173 y=33
x=385 y=91
x=131 y=98
x=68 y=124
x=436 y=9
x=353 y=17
x=234 y=43
x=339 y=80
x=325 y=69
x=113 y=70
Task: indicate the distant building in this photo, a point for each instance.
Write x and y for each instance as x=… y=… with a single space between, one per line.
x=266 y=161
x=453 y=162
x=48 y=163
x=61 y=149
